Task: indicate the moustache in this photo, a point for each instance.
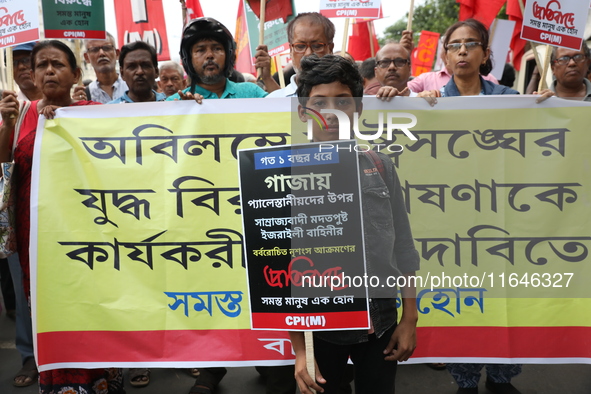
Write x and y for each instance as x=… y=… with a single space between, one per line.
x=210 y=63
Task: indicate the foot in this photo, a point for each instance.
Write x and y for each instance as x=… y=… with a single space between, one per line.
x=200 y=389
x=27 y=374
x=501 y=388
x=436 y=366
x=194 y=372
x=467 y=390
x=139 y=377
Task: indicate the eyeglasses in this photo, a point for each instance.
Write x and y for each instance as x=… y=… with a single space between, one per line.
x=105 y=48
x=456 y=46
x=564 y=60
x=25 y=61
x=301 y=47
x=398 y=62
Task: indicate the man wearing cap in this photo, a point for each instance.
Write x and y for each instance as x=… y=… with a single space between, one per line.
x=208 y=54
x=102 y=56
x=21 y=60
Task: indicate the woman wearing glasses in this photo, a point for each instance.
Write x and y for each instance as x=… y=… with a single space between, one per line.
x=468 y=55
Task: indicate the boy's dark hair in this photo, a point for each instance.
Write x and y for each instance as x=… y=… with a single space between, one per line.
x=327 y=69
x=134 y=46
x=368 y=68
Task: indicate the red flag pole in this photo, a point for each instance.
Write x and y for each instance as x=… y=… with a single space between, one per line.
x=184 y=7
x=345 y=36
x=261 y=33
x=371 y=34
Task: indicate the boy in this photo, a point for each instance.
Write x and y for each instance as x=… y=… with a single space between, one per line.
x=332 y=82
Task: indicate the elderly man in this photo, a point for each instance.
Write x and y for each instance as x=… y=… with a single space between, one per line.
x=21 y=61
x=208 y=55
x=102 y=56
x=393 y=67
x=171 y=78
x=139 y=67
x=307 y=33
x=570 y=70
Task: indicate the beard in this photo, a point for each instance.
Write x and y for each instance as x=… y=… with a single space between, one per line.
x=212 y=79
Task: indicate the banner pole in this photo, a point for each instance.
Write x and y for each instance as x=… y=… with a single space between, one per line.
x=371 y=33
x=542 y=84
x=309 y=341
x=184 y=15
x=277 y=60
x=261 y=33
x=77 y=48
x=9 y=69
x=410 y=15
x=10 y=73
x=345 y=37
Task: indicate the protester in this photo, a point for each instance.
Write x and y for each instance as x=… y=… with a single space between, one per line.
x=308 y=33
x=368 y=73
x=337 y=83
x=170 y=78
x=208 y=55
x=21 y=62
x=393 y=68
x=508 y=77
x=54 y=72
x=570 y=69
x=435 y=80
x=468 y=55
x=27 y=375
x=139 y=67
x=102 y=56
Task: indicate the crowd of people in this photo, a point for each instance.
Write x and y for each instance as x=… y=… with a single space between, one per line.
x=48 y=78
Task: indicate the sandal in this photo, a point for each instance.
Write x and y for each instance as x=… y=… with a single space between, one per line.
x=437 y=366
x=200 y=389
x=139 y=377
x=28 y=372
x=194 y=372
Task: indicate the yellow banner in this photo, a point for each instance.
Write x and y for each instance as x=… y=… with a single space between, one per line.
x=139 y=229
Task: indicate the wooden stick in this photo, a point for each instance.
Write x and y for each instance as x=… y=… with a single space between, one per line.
x=261 y=32
x=184 y=15
x=493 y=30
x=371 y=33
x=345 y=37
x=542 y=85
x=309 y=340
x=9 y=70
x=410 y=15
x=77 y=49
x=277 y=59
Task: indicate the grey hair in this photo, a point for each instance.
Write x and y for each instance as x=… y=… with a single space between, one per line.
x=316 y=18
x=170 y=65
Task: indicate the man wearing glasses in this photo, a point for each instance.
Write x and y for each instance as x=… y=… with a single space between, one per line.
x=570 y=70
x=307 y=33
x=21 y=62
x=102 y=56
x=393 y=68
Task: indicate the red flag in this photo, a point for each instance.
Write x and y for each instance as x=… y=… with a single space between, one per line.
x=193 y=10
x=142 y=21
x=483 y=10
x=359 y=41
x=517 y=44
x=423 y=56
x=274 y=9
x=243 y=59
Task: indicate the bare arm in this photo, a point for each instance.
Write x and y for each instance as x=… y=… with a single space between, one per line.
x=404 y=339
